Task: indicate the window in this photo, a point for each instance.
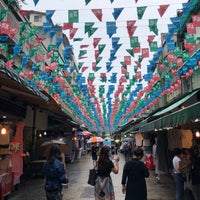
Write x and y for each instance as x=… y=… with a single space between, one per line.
x=37 y=18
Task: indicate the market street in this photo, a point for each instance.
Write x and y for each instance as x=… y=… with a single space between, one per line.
x=79 y=189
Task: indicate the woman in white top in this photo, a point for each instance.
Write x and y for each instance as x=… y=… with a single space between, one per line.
x=178 y=178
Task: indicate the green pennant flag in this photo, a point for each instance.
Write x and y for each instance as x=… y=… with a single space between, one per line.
x=80 y=64
x=186 y=56
x=135 y=68
x=4 y=46
x=77 y=39
x=101 y=48
x=101 y=91
x=154 y=46
x=133 y=80
x=140 y=11
x=23 y=26
x=130 y=51
x=10 y=2
x=22 y=40
x=97 y=69
x=189 y=38
x=51 y=47
x=3 y=14
x=98 y=60
x=127 y=75
x=140 y=58
x=32 y=52
x=73 y=16
x=134 y=41
x=177 y=51
x=91 y=77
x=91 y=31
x=88 y=26
x=82 y=52
x=34 y=31
x=87 y=1
x=153 y=25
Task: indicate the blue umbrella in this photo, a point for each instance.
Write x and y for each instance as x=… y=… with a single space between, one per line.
x=128 y=139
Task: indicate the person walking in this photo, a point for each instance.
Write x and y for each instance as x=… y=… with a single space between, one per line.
x=195 y=171
x=94 y=153
x=104 y=187
x=133 y=177
x=178 y=177
x=55 y=175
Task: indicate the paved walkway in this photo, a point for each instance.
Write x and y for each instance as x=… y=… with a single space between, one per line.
x=78 y=189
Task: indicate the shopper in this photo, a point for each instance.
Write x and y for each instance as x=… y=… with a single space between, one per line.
x=195 y=171
x=177 y=174
x=133 y=177
x=94 y=153
x=55 y=175
x=104 y=187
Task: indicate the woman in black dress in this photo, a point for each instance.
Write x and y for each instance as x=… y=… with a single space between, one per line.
x=133 y=178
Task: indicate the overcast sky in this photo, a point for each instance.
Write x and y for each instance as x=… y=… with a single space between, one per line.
x=129 y=13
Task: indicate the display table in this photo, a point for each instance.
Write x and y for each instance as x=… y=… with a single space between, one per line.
x=37 y=167
x=6 y=184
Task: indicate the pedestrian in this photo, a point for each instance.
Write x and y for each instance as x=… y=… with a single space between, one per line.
x=195 y=171
x=94 y=153
x=104 y=187
x=128 y=151
x=55 y=175
x=133 y=177
x=155 y=160
x=177 y=174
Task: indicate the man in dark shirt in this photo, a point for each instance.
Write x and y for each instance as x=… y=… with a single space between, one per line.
x=94 y=153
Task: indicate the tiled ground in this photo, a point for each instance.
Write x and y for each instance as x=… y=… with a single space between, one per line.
x=78 y=189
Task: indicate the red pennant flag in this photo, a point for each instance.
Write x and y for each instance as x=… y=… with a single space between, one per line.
x=84 y=69
x=84 y=46
x=179 y=62
x=93 y=66
x=5 y=27
x=31 y=46
x=48 y=55
x=150 y=38
x=191 y=29
x=67 y=26
x=96 y=42
x=131 y=30
x=96 y=54
x=171 y=58
x=72 y=32
x=136 y=49
x=123 y=71
x=10 y=63
x=98 y=13
x=39 y=40
x=130 y=27
x=23 y=13
x=138 y=64
x=138 y=75
x=162 y=9
x=145 y=52
x=39 y=58
x=13 y=31
x=127 y=60
x=196 y=20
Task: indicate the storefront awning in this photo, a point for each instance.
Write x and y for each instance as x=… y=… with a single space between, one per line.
x=176 y=104
x=174 y=119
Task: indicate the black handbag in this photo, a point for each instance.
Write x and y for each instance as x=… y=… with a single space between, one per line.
x=92 y=176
